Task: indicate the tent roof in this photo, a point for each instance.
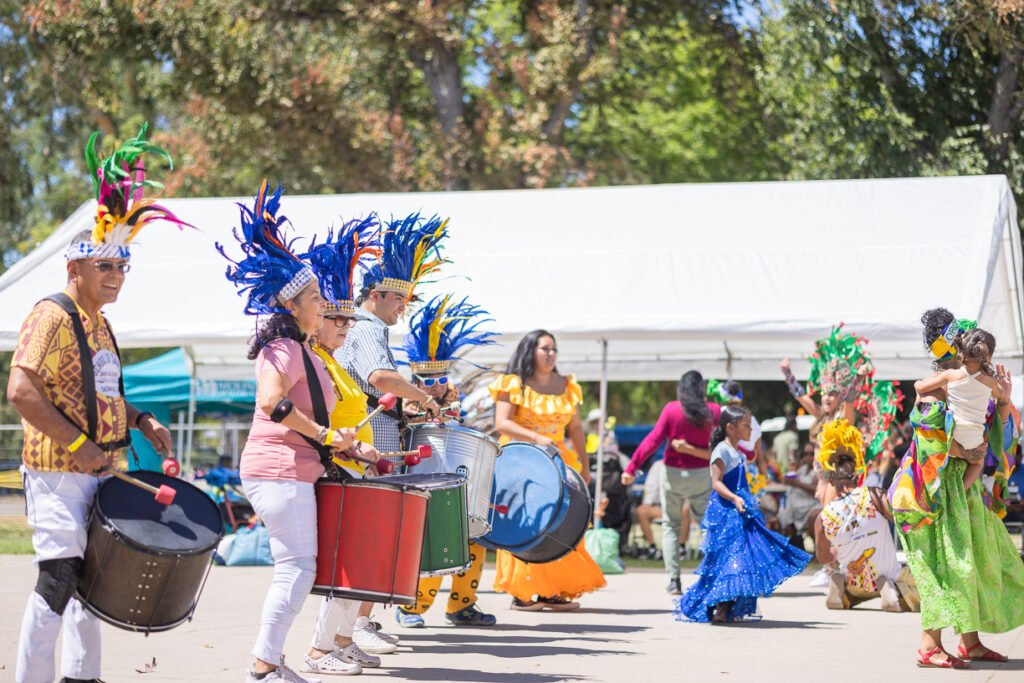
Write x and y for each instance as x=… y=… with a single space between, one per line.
x=727 y=278
x=166 y=379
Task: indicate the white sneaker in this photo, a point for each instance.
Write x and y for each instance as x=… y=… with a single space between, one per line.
x=282 y=674
x=820 y=579
x=366 y=637
x=394 y=640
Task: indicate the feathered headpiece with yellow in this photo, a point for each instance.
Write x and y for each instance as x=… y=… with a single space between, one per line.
x=118 y=183
x=411 y=250
x=839 y=437
x=440 y=329
x=336 y=261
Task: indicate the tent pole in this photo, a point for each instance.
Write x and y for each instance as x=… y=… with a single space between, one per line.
x=191 y=410
x=603 y=400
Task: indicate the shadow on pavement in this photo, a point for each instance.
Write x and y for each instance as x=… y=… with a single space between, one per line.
x=772 y=624
x=623 y=612
x=520 y=651
x=447 y=674
x=473 y=639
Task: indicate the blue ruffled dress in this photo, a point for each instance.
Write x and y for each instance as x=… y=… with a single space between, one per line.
x=743 y=559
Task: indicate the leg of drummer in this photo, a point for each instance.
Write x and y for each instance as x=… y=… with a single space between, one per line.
x=462 y=607
x=426 y=593
x=80 y=656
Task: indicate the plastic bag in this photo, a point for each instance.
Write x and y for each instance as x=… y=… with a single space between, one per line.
x=251 y=547
x=603 y=546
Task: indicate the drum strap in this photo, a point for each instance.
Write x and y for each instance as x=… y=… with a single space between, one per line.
x=320 y=416
x=89 y=372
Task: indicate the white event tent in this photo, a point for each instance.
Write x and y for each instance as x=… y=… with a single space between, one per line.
x=727 y=278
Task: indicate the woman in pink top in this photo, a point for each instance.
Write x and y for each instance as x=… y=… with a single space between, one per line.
x=289 y=435
x=686 y=425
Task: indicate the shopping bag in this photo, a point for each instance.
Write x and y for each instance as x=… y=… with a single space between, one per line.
x=251 y=547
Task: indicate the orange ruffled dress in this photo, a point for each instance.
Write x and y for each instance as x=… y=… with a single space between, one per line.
x=549 y=415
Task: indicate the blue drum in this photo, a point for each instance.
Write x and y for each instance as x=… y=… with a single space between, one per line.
x=541 y=507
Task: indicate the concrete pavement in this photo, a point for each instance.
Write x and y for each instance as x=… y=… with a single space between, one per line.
x=624 y=633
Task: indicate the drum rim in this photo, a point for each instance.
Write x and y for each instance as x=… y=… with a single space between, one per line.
x=448 y=570
x=327 y=590
x=459 y=480
x=100 y=518
x=376 y=483
x=456 y=428
x=137 y=628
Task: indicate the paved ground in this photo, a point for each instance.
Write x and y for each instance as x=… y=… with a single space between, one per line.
x=624 y=633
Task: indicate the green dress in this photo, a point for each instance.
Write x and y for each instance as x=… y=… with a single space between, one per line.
x=967 y=569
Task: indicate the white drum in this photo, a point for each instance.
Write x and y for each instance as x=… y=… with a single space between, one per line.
x=462 y=451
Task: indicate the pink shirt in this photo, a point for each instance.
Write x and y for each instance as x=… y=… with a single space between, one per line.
x=273 y=451
x=672 y=424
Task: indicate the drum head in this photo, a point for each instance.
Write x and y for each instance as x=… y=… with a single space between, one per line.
x=530 y=482
x=427 y=482
x=190 y=525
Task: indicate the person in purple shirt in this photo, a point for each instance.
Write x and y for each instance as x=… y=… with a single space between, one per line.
x=686 y=424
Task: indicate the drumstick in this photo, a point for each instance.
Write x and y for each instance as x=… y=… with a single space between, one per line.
x=163 y=495
x=500 y=509
x=385 y=402
x=386 y=462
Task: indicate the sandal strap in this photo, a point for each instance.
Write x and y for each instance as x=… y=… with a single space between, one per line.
x=330 y=663
x=355 y=653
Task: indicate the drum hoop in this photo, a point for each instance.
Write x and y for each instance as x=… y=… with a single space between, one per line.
x=441 y=486
x=384 y=486
x=456 y=429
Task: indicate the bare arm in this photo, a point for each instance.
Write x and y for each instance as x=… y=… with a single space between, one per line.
x=717 y=471
x=797 y=390
x=272 y=387
x=390 y=382
x=503 y=422
x=25 y=391
x=937 y=381
x=579 y=444
x=686 y=448
x=822 y=546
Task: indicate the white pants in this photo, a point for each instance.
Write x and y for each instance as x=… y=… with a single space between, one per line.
x=288 y=509
x=337 y=617
x=58 y=505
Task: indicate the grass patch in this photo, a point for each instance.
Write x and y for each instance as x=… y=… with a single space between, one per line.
x=15 y=536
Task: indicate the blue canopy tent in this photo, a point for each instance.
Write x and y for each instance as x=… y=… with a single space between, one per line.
x=166 y=385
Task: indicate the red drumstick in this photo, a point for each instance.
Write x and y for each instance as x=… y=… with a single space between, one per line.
x=172 y=468
x=385 y=402
x=163 y=495
x=500 y=509
x=383 y=466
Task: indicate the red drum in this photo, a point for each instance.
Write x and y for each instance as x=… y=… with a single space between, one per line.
x=369 y=540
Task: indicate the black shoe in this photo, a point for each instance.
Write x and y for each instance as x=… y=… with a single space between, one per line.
x=674 y=587
x=470 y=616
x=654 y=553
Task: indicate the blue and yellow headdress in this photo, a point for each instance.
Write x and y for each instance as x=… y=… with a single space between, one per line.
x=440 y=329
x=270 y=273
x=942 y=347
x=336 y=260
x=411 y=250
x=118 y=182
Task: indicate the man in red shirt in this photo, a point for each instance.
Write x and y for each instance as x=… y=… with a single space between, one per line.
x=686 y=425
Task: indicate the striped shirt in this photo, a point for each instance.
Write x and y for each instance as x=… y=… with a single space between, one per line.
x=367 y=349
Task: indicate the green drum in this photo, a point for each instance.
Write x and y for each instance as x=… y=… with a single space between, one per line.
x=446 y=536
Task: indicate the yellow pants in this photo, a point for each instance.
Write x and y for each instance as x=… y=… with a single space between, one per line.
x=464 y=585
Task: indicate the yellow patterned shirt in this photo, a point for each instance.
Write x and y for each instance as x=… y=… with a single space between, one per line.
x=47 y=347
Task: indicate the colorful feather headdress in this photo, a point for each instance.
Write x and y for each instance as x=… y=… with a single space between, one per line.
x=876 y=411
x=942 y=347
x=718 y=393
x=411 y=250
x=440 y=329
x=835 y=361
x=118 y=183
x=270 y=273
x=839 y=437
x=335 y=261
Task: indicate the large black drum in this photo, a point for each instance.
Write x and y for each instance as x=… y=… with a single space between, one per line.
x=146 y=563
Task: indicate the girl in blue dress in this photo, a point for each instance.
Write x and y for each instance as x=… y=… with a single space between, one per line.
x=743 y=559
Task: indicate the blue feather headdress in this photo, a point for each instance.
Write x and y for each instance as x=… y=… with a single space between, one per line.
x=335 y=261
x=440 y=329
x=270 y=273
x=411 y=250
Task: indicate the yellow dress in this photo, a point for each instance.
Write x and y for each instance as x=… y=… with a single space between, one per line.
x=350 y=407
x=549 y=415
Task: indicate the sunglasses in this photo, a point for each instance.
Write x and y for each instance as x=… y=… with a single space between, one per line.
x=341 y=321
x=431 y=381
x=109 y=266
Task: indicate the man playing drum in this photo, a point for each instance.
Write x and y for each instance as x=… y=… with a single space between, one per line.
x=66 y=385
x=436 y=333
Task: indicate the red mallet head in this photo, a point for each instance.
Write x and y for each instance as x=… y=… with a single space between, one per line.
x=424 y=451
x=385 y=466
x=172 y=467
x=501 y=509
x=388 y=401
x=165 y=495
x=412 y=460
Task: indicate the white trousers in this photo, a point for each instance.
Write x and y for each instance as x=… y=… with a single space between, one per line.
x=337 y=617
x=288 y=509
x=58 y=505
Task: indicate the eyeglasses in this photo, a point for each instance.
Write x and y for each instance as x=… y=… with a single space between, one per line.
x=431 y=381
x=109 y=266
x=341 y=321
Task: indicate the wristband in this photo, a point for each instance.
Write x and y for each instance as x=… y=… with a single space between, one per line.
x=281 y=410
x=329 y=437
x=792 y=384
x=321 y=436
x=77 y=443
x=138 y=418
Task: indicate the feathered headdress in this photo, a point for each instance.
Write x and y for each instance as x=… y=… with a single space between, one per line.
x=440 y=329
x=270 y=273
x=876 y=411
x=835 y=361
x=839 y=437
x=718 y=393
x=942 y=347
x=118 y=183
x=335 y=261
x=411 y=251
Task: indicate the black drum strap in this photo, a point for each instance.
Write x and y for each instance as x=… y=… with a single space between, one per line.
x=320 y=416
x=89 y=372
